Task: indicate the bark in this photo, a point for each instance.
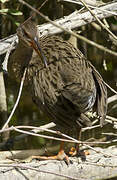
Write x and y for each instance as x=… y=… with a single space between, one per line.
x=72 y=21
x=96 y=167
x=3 y=105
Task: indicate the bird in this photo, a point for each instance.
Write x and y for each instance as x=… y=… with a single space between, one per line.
x=64 y=84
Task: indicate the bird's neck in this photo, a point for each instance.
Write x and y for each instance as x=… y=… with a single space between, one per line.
x=20 y=59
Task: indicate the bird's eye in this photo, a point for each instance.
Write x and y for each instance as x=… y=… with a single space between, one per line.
x=25 y=34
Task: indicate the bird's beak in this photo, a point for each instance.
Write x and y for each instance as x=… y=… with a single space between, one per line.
x=35 y=44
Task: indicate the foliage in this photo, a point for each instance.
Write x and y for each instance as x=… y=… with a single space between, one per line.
x=11 y=11
x=3 y=1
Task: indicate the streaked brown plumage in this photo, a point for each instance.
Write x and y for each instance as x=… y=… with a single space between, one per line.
x=68 y=86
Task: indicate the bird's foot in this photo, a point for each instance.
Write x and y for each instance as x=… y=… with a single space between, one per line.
x=79 y=153
x=73 y=151
x=60 y=156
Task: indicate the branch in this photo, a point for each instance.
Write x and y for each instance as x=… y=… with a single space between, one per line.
x=112 y=98
x=69 y=138
x=5 y=144
x=72 y=21
x=96 y=166
x=17 y=101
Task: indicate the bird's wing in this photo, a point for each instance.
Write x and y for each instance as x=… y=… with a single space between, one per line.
x=101 y=100
x=79 y=86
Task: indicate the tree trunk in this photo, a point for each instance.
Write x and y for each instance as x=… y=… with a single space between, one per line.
x=3 y=106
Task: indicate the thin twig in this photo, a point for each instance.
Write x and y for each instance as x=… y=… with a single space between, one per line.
x=17 y=101
x=42 y=4
x=72 y=140
x=111 y=118
x=34 y=130
x=110 y=134
x=95 y=121
x=5 y=62
x=89 y=128
x=112 y=98
x=110 y=88
x=22 y=136
x=40 y=135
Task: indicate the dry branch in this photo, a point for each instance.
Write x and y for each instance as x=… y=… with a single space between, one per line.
x=17 y=101
x=22 y=136
x=72 y=21
x=112 y=99
x=96 y=166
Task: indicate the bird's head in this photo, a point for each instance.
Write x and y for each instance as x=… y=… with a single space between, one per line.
x=27 y=33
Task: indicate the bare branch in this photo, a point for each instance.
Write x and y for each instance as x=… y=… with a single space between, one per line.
x=112 y=98
x=22 y=136
x=111 y=118
x=110 y=134
x=110 y=88
x=5 y=63
x=34 y=130
x=17 y=101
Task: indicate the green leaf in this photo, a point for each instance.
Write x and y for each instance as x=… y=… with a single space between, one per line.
x=11 y=11
x=4 y=10
x=110 y=66
x=3 y=1
x=17 y=24
x=15 y=12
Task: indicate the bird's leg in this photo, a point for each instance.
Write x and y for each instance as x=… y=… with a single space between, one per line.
x=74 y=151
x=60 y=156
